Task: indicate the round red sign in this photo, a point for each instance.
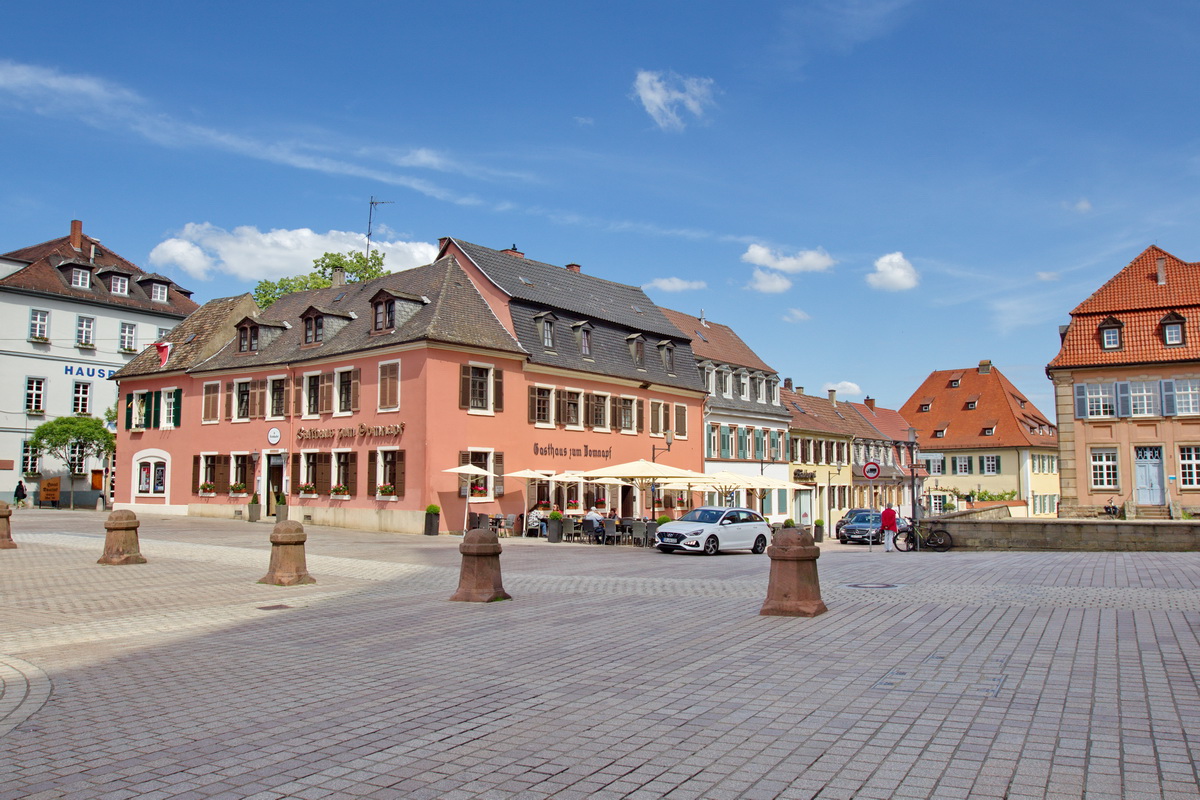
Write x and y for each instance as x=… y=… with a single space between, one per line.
x=870 y=470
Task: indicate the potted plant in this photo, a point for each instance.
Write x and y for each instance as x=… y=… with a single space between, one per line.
x=281 y=509
x=663 y=520
x=431 y=519
x=208 y=487
x=554 y=527
x=339 y=490
x=478 y=491
x=599 y=502
x=572 y=504
x=385 y=490
x=818 y=530
x=253 y=509
x=237 y=488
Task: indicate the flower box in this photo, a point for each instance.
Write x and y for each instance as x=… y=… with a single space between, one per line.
x=40 y=339
x=340 y=489
x=379 y=496
x=35 y=412
x=386 y=490
x=339 y=497
x=238 y=488
x=85 y=345
x=238 y=494
x=207 y=487
x=128 y=349
x=308 y=488
x=308 y=495
x=208 y=494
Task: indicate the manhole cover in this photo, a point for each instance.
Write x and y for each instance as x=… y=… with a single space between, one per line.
x=273 y=608
x=872 y=585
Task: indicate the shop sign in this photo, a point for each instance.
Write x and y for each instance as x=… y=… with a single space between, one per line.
x=362 y=429
x=549 y=449
x=800 y=476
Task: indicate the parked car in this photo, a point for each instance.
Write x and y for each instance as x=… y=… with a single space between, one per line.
x=863 y=528
x=845 y=520
x=711 y=529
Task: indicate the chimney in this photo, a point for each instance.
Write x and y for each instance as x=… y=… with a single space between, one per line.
x=574 y=268
x=985 y=366
x=1162 y=270
x=513 y=251
x=339 y=276
x=787 y=384
x=77 y=234
x=799 y=390
x=869 y=402
x=833 y=396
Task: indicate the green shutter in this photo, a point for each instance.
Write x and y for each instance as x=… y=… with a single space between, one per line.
x=128 y=411
x=997 y=465
x=178 y=406
x=156 y=401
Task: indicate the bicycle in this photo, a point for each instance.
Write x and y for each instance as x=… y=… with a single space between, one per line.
x=924 y=536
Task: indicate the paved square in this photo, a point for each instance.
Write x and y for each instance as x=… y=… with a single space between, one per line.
x=615 y=672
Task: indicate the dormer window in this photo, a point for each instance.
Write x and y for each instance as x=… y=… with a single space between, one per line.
x=314 y=329
x=385 y=315
x=954 y=383
x=585 y=342
x=940 y=433
x=970 y=404
x=548 y=334
x=637 y=349
x=119 y=285
x=1172 y=330
x=667 y=350
x=158 y=292
x=81 y=278
x=247 y=338
x=989 y=431
x=925 y=406
x=1110 y=334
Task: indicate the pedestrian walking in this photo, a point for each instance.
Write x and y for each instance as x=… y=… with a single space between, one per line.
x=887 y=523
x=19 y=495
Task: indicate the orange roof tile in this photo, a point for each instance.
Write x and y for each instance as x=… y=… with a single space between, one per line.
x=715 y=342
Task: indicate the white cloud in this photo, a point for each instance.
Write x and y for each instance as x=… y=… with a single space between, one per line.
x=203 y=250
x=768 y=282
x=1083 y=205
x=664 y=96
x=893 y=273
x=1047 y=276
x=584 y=121
x=795 y=315
x=674 y=285
x=803 y=261
x=844 y=388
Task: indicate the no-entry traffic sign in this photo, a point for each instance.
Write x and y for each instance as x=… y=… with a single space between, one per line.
x=871 y=470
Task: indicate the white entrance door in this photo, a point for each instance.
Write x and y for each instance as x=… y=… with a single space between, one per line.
x=1148 y=466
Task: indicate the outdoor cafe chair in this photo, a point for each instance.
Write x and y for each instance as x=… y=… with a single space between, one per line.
x=637 y=533
x=610 y=532
x=651 y=531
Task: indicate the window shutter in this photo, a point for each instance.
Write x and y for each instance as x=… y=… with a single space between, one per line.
x=400 y=473
x=195 y=474
x=997 y=465
x=588 y=399
x=614 y=415
x=1167 y=388
x=532 y=403
x=655 y=417
x=298 y=395
x=326 y=402
x=258 y=399
x=725 y=441
x=355 y=386
x=323 y=473
x=156 y=400
x=287 y=397
x=641 y=415
x=681 y=420
x=464 y=387
x=177 y=411
x=352 y=474
x=296 y=458
x=228 y=400
x=128 y=411
x=372 y=471
x=666 y=417
x=498 y=478
x=1124 y=404
x=221 y=474
x=560 y=416
x=464 y=458
x=1081 y=401
x=970 y=466
x=497 y=390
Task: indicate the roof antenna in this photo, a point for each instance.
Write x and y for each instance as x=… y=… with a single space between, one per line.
x=371 y=219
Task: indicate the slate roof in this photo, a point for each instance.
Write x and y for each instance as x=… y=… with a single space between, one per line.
x=1135 y=299
x=43 y=274
x=716 y=342
x=196 y=338
x=455 y=314
x=999 y=405
x=556 y=287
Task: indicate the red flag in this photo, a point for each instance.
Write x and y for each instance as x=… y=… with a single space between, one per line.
x=164 y=352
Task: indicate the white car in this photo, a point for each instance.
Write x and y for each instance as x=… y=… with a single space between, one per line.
x=711 y=529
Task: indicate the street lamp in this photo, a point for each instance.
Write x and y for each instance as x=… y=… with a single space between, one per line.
x=912 y=466
x=772 y=457
x=669 y=438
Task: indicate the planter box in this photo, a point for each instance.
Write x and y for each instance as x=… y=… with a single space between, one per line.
x=431 y=524
x=339 y=497
x=239 y=494
x=385 y=497
x=308 y=496
x=207 y=494
x=281 y=512
x=253 y=512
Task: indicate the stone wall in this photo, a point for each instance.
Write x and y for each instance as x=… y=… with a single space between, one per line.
x=366 y=519
x=1071 y=534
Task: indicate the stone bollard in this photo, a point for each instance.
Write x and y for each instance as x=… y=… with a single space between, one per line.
x=794 y=590
x=121 y=539
x=6 y=540
x=479 y=579
x=287 y=555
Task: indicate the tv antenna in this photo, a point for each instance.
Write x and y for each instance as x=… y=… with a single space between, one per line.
x=371 y=220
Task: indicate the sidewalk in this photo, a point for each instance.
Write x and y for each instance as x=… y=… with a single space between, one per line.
x=614 y=672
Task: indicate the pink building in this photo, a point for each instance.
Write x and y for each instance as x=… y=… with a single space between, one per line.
x=352 y=401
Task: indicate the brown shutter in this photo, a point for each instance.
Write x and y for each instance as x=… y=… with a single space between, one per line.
x=560 y=417
x=614 y=415
x=287 y=397
x=296 y=458
x=533 y=390
x=389 y=385
x=464 y=386
x=655 y=417
x=221 y=474
x=228 y=400
x=323 y=473
x=298 y=395
x=666 y=417
x=258 y=399
x=498 y=479
x=588 y=400
x=195 y=474
x=681 y=421
x=399 y=473
x=372 y=456
x=212 y=399
x=641 y=415
x=355 y=384
x=497 y=390
x=326 y=403
x=464 y=458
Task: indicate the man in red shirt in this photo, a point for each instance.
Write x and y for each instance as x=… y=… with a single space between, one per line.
x=888 y=523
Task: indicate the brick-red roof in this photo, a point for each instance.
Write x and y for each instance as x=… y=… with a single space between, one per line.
x=889 y=422
x=1135 y=299
x=715 y=342
x=1000 y=405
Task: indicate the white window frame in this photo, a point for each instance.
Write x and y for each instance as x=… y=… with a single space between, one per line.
x=1187 y=397
x=551 y=403
x=39 y=324
x=379 y=465
x=141 y=410
x=1189 y=466
x=1101 y=462
x=158 y=292
x=267 y=402
x=937 y=465
x=337 y=393
x=1143 y=398
x=1173 y=334
x=81 y=278
x=304 y=402
x=162 y=333
x=167 y=420
x=1110 y=338
x=235 y=414
x=743 y=385
x=379 y=386
x=989 y=466
x=619 y=423
x=120 y=285
x=308 y=473
x=548 y=334
x=490 y=479
x=76 y=459
x=84 y=407
x=606 y=400
x=31 y=459
x=578 y=393
x=962 y=465
x=85 y=331
x=490 y=409
x=1101 y=396
x=35 y=394
x=127 y=338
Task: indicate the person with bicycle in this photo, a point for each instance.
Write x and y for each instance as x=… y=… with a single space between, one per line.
x=887 y=524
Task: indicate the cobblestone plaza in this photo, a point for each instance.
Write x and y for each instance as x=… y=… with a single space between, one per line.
x=614 y=672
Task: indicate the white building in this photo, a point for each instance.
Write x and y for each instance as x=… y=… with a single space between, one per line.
x=73 y=312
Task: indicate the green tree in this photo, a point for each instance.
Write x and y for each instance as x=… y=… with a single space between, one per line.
x=83 y=437
x=358 y=266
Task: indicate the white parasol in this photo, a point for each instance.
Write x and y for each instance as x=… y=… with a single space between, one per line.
x=465 y=470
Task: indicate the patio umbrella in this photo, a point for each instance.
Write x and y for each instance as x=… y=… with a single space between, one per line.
x=467 y=469
x=643 y=474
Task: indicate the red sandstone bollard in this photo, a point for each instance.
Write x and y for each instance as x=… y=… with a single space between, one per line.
x=287 y=555
x=794 y=590
x=6 y=540
x=121 y=539
x=479 y=579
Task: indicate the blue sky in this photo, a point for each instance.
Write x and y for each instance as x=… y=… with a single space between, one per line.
x=865 y=190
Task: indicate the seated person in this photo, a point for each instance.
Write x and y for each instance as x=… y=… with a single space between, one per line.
x=593 y=520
